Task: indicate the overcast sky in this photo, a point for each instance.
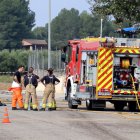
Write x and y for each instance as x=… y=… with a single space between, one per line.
x=40 y=7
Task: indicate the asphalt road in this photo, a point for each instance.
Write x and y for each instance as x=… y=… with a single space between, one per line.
x=67 y=124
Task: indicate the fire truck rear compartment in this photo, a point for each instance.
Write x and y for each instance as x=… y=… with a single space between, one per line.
x=125 y=81
x=124 y=72
x=126 y=76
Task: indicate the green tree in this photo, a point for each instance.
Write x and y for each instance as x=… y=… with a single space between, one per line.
x=121 y=10
x=65 y=26
x=90 y=25
x=69 y=24
x=39 y=33
x=87 y=21
x=11 y=60
x=16 y=22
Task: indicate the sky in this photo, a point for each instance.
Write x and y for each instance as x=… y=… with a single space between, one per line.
x=40 y=7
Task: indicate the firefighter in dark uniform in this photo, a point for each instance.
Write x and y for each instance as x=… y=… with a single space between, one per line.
x=49 y=81
x=30 y=83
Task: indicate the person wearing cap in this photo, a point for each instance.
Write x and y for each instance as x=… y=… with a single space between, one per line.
x=49 y=81
x=30 y=83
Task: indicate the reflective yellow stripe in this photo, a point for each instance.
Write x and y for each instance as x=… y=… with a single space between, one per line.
x=53 y=104
x=43 y=105
x=34 y=106
x=50 y=105
x=26 y=106
x=128 y=50
x=124 y=91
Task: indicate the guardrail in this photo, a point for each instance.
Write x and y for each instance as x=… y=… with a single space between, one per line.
x=38 y=72
x=6 y=73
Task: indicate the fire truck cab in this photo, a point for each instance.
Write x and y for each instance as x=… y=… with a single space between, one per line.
x=102 y=69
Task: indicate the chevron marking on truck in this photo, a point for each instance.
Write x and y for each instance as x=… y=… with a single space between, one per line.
x=105 y=69
x=126 y=50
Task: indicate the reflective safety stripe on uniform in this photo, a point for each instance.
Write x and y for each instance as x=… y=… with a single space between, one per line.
x=54 y=104
x=48 y=95
x=26 y=106
x=33 y=106
x=30 y=91
x=44 y=105
x=50 y=105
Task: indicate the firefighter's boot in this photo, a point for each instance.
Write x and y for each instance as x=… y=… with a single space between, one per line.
x=14 y=108
x=35 y=109
x=50 y=109
x=42 y=109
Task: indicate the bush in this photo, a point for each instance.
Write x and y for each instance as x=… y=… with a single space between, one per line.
x=9 y=61
x=6 y=78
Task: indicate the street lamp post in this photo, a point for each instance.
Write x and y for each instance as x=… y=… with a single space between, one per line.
x=101 y=30
x=49 y=35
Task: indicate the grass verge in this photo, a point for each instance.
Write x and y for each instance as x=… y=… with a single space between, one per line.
x=6 y=79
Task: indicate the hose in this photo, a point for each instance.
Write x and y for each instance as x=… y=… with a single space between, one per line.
x=136 y=95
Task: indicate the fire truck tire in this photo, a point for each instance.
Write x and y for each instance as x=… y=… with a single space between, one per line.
x=70 y=103
x=132 y=106
x=119 y=106
x=89 y=105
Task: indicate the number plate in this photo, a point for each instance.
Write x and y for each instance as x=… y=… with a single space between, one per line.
x=104 y=93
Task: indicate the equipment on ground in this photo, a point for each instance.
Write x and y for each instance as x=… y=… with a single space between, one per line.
x=6 y=116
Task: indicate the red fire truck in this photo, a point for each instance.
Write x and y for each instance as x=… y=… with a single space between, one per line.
x=102 y=69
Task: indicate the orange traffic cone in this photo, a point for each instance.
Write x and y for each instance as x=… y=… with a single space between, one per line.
x=6 y=116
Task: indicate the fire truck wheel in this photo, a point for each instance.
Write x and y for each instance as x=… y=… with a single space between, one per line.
x=132 y=106
x=89 y=105
x=119 y=106
x=70 y=103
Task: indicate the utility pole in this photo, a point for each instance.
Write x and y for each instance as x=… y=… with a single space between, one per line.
x=101 y=31
x=49 y=35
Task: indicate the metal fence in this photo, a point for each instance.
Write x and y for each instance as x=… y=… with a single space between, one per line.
x=38 y=59
x=6 y=73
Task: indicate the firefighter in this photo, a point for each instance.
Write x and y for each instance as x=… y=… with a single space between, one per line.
x=17 y=89
x=49 y=81
x=30 y=83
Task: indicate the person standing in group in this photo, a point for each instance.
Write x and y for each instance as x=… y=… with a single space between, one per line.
x=49 y=81
x=17 y=89
x=30 y=83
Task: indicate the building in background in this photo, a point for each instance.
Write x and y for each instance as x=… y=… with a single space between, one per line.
x=33 y=44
